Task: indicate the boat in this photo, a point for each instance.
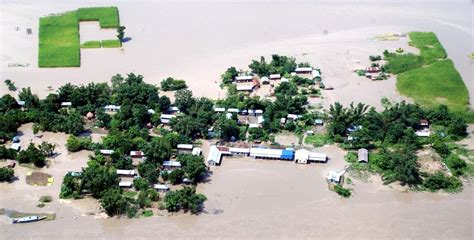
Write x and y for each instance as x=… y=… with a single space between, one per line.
x=28 y=219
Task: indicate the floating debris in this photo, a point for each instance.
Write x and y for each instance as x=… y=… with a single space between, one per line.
x=389 y=37
x=18 y=65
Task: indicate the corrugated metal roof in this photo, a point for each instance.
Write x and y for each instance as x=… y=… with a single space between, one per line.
x=214 y=155
x=266 y=152
x=171 y=164
x=239 y=78
x=126 y=172
x=185 y=146
x=304 y=69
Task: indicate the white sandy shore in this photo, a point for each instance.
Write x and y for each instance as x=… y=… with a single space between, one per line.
x=176 y=41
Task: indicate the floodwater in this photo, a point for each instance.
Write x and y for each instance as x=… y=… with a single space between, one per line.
x=198 y=40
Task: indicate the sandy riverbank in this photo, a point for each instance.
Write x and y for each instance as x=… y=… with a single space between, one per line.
x=334 y=39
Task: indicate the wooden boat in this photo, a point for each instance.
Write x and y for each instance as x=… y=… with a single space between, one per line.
x=28 y=219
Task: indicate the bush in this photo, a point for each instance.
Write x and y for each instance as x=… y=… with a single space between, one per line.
x=153 y=194
x=75 y=144
x=141 y=184
x=7 y=153
x=71 y=187
x=132 y=211
x=32 y=155
x=143 y=200
x=147 y=213
x=375 y=58
x=171 y=84
x=113 y=202
x=176 y=176
x=10 y=84
x=456 y=164
x=45 y=199
x=6 y=174
x=439 y=181
x=342 y=191
x=185 y=199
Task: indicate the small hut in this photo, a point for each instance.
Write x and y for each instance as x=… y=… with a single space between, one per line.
x=89 y=115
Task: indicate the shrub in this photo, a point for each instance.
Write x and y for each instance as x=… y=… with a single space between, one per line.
x=375 y=58
x=344 y=192
x=141 y=184
x=185 y=199
x=147 y=213
x=176 y=176
x=132 y=211
x=439 y=181
x=10 y=84
x=113 y=202
x=45 y=199
x=6 y=174
x=456 y=164
x=143 y=200
x=7 y=153
x=71 y=187
x=171 y=84
x=75 y=144
x=32 y=155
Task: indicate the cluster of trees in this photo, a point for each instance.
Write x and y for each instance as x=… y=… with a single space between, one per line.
x=75 y=144
x=395 y=125
x=278 y=64
x=7 y=153
x=171 y=84
x=6 y=174
x=36 y=155
x=282 y=65
x=185 y=199
x=393 y=131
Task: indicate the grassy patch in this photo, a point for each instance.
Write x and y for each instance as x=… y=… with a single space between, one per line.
x=471 y=55
x=91 y=44
x=431 y=49
x=318 y=140
x=129 y=194
x=438 y=83
x=398 y=63
x=108 y=17
x=115 y=43
x=59 y=41
x=147 y=213
x=429 y=78
x=59 y=44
